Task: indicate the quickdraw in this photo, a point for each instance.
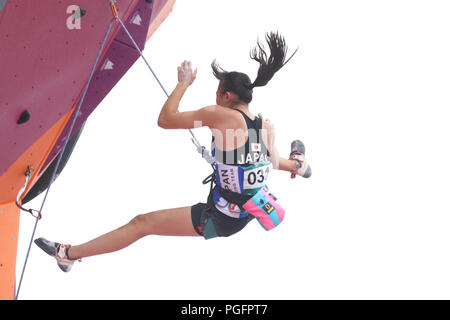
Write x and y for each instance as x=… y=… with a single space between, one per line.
x=35 y=213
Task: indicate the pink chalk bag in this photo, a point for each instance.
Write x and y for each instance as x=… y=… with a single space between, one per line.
x=264 y=207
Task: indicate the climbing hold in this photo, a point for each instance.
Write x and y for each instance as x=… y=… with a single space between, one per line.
x=149 y=1
x=24 y=117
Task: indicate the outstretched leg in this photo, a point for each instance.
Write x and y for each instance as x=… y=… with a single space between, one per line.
x=169 y=222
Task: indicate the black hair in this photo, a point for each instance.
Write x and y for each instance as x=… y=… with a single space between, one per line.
x=240 y=83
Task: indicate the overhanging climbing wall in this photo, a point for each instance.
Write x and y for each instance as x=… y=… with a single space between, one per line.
x=47 y=50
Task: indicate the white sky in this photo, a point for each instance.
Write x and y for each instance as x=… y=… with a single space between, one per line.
x=368 y=95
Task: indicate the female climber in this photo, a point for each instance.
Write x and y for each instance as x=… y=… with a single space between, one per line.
x=244 y=151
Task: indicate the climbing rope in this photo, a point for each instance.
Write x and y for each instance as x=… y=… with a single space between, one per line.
x=62 y=152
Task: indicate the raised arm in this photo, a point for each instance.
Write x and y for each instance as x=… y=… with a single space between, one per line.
x=170 y=118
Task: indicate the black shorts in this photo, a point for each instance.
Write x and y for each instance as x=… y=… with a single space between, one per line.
x=210 y=222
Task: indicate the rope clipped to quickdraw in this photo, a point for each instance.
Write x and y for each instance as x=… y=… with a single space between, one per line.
x=62 y=152
x=35 y=213
x=200 y=149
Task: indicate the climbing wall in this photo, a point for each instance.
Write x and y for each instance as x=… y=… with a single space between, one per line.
x=45 y=64
x=117 y=60
x=47 y=50
x=9 y=232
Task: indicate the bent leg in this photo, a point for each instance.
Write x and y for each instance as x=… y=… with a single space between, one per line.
x=169 y=222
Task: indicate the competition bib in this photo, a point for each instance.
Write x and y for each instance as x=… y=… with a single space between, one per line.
x=243 y=179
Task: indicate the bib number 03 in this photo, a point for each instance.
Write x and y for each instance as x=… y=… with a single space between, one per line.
x=256 y=177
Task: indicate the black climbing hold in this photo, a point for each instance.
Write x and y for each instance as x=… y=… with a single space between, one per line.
x=82 y=12
x=149 y=1
x=24 y=117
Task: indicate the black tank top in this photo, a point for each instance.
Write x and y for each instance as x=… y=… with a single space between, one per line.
x=254 y=150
